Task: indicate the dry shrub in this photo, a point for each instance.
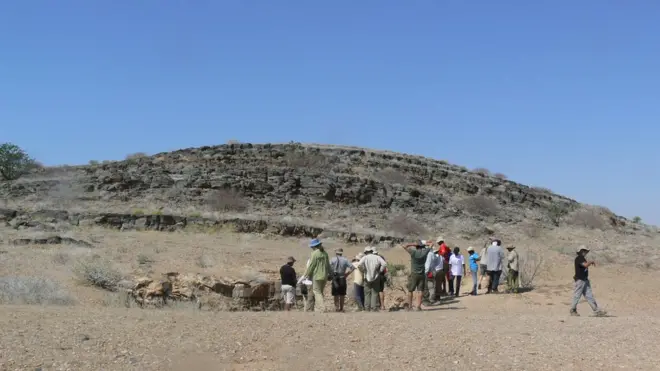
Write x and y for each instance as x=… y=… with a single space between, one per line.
x=97 y=272
x=134 y=156
x=479 y=205
x=406 y=226
x=32 y=290
x=204 y=261
x=542 y=189
x=529 y=266
x=587 y=218
x=481 y=171
x=500 y=176
x=61 y=258
x=556 y=213
x=391 y=176
x=225 y=200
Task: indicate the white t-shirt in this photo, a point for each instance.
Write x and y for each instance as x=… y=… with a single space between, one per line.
x=456 y=263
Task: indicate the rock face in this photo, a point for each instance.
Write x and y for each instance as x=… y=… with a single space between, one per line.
x=338 y=188
x=207 y=292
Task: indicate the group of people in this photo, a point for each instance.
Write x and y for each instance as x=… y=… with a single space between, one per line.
x=436 y=270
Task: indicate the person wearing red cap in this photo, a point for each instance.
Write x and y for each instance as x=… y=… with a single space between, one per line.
x=445 y=251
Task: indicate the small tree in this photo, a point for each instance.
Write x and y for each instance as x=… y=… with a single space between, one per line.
x=637 y=219
x=14 y=162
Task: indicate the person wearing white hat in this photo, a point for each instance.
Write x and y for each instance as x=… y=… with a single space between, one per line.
x=372 y=266
x=380 y=288
x=582 y=284
x=358 y=282
x=473 y=259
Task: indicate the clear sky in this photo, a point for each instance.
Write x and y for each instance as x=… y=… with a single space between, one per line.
x=560 y=94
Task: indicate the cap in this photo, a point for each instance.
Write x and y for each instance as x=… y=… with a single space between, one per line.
x=439 y=239
x=470 y=248
x=315 y=242
x=290 y=259
x=339 y=251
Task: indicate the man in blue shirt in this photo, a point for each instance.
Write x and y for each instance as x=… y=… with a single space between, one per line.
x=474 y=259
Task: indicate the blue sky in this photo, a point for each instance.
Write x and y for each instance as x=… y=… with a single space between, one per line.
x=561 y=94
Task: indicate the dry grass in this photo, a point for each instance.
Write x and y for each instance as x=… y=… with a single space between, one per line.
x=405 y=226
x=391 y=176
x=97 y=272
x=481 y=171
x=33 y=290
x=479 y=205
x=225 y=200
x=587 y=218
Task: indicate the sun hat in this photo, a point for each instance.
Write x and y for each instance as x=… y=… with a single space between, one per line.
x=439 y=239
x=339 y=251
x=470 y=248
x=510 y=247
x=581 y=247
x=368 y=249
x=374 y=251
x=315 y=242
x=290 y=259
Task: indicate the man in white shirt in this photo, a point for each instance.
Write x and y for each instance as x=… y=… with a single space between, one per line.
x=372 y=267
x=457 y=264
x=434 y=275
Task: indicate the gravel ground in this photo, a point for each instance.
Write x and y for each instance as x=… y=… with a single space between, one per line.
x=61 y=338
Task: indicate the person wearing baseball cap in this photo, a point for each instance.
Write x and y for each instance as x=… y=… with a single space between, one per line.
x=417 y=280
x=473 y=259
x=341 y=269
x=582 y=284
x=288 y=279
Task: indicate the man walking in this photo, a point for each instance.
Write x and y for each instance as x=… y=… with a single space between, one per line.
x=474 y=259
x=494 y=265
x=341 y=269
x=417 y=279
x=434 y=275
x=582 y=284
x=512 y=273
x=318 y=271
x=288 y=279
x=373 y=267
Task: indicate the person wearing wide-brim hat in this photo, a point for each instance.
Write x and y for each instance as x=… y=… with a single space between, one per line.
x=512 y=273
x=582 y=284
x=319 y=271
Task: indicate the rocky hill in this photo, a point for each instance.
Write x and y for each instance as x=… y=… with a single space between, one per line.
x=346 y=189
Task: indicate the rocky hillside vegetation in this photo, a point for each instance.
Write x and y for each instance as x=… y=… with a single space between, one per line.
x=354 y=190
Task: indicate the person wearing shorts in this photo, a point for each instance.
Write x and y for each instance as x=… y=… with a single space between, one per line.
x=341 y=269
x=288 y=277
x=417 y=280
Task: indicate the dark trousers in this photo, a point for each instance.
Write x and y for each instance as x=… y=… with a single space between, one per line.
x=457 y=288
x=359 y=295
x=494 y=280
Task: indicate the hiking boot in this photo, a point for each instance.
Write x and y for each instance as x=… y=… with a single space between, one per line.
x=600 y=313
x=574 y=313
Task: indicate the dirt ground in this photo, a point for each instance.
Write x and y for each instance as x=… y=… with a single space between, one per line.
x=528 y=331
